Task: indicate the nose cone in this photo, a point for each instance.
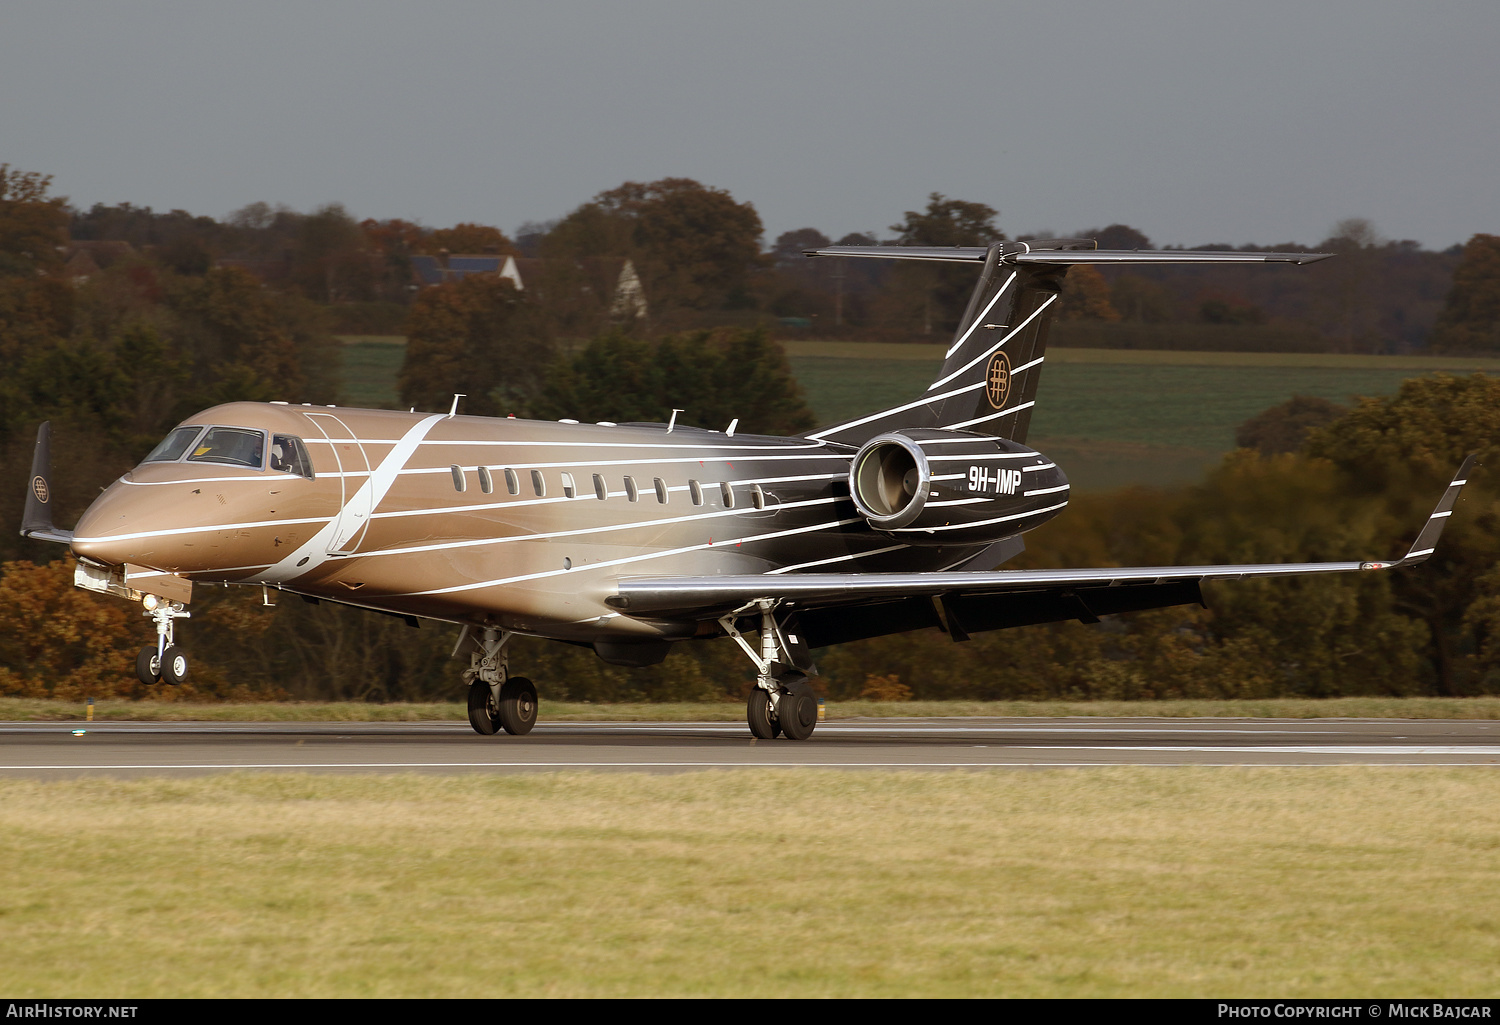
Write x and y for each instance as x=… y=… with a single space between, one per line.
x=110 y=529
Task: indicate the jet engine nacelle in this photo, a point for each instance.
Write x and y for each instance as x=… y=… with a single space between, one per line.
x=937 y=487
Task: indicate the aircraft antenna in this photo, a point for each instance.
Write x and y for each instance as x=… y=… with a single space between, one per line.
x=453 y=411
x=732 y=425
x=673 y=422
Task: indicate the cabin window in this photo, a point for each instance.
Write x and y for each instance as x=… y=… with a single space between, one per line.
x=600 y=491
x=538 y=484
x=458 y=477
x=289 y=455
x=696 y=490
x=569 y=489
x=661 y=490
x=174 y=446
x=512 y=482
x=727 y=494
x=232 y=446
x=757 y=497
x=486 y=482
x=632 y=493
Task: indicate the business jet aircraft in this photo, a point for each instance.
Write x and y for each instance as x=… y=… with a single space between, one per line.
x=634 y=537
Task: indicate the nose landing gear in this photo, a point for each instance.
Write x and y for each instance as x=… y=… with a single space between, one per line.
x=164 y=660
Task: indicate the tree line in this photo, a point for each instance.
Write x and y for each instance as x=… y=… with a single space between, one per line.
x=701 y=262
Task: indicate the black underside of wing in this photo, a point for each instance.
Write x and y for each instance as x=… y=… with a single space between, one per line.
x=965 y=614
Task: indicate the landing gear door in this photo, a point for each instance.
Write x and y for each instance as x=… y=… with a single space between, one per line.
x=355 y=492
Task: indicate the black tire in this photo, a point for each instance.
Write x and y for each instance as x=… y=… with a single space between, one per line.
x=147 y=668
x=482 y=709
x=797 y=711
x=517 y=708
x=758 y=714
x=174 y=665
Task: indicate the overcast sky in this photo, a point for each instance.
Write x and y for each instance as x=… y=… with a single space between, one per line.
x=1195 y=122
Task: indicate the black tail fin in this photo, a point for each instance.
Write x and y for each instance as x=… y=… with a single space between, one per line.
x=36 y=522
x=989 y=378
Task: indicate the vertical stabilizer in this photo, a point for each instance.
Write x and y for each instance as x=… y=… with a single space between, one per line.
x=990 y=371
x=36 y=522
x=989 y=377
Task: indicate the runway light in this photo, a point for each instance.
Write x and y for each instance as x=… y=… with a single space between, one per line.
x=149 y=602
x=79 y=733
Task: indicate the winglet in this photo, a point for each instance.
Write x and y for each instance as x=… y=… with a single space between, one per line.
x=1426 y=542
x=36 y=522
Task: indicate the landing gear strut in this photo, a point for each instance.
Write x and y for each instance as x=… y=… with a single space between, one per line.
x=164 y=660
x=497 y=700
x=783 y=700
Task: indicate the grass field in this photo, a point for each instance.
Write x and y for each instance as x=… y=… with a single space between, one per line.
x=371 y=363
x=1119 y=417
x=39 y=710
x=1115 y=882
x=1112 y=417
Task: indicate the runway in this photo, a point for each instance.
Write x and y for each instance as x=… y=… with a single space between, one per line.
x=51 y=750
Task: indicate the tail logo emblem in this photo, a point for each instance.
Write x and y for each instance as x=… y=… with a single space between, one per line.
x=997 y=380
x=39 y=489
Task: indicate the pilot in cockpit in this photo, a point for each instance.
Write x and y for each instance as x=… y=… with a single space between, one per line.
x=282 y=459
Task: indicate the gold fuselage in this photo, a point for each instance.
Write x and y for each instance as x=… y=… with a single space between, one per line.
x=383 y=522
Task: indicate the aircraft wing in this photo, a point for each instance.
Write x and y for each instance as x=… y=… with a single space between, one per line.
x=657 y=596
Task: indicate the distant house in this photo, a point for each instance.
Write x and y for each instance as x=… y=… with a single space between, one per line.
x=82 y=260
x=613 y=278
x=435 y=270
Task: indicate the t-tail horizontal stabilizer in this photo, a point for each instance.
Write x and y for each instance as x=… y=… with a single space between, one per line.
x=1048 y=251
x=652 y=596
x=36 y=522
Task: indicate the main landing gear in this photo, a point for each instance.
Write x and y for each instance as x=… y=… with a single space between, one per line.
x=783 y=701
x=497 y=700
x=163 y=660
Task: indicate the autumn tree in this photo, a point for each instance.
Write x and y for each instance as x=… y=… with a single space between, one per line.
x=1085 y=296
x=1470 y=321
x=790 y=246
x=331 y=259
x=1284 y=427
x=478 y=336
x=692 y=245
x=249 y=342
x=1398 y=452
x=713 y=377
x=32 y=224
x=1140 y=299
x=938 y=294
x=468 y=238
x=57 y=641
x=1118 y=236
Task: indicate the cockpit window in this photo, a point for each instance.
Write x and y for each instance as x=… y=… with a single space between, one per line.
x=176 y=443
x=289 y=455
x=234 y=446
